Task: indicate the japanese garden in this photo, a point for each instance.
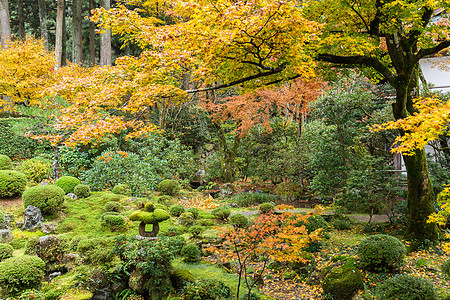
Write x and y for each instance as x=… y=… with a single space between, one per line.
x=197 y=150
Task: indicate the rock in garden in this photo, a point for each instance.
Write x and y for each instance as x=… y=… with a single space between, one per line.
x=5 y=236
x=5 y=224
x=102 y=294
x=72 y=196
x=32 y=218
x=54 y=275
x=226 y=190
x=50 y=249
x=47 y=228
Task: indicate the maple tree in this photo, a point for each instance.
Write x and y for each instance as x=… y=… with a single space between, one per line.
x=270 y=236
x=26 y=68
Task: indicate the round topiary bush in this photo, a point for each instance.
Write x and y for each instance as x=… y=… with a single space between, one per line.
x=316 y=222
x=342 y=283
x=405 y=287
x=36 y=169
x=67 y=183
x=194 y=211
x=266 y=208
x=238 y=220
x=221 y=212
x=21 y=273
x=190 y=253
x=6 y=251
x=169 y=187
x=445 y=268
x=113 y=220
x=113 y=206
x=166 y=200
x=187 y=219
x=82 y=190
x=176 y=210
x=12 y=183
x=196 y=230
x=47 y=198
x=381 y=253
x=122 y=189
x=5 y=162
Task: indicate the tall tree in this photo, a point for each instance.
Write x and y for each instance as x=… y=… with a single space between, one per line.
x=43 y=21
x=105 y=40
x=59 y=33
x=91 y=35
x=21 y=19
x=5 y=29
x=77 y=48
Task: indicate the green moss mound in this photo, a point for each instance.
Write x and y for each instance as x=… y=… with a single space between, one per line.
x=6 y=251
x=47 y=198
x=169 y=187
x=122 y=189
x=266 y=208
x=381 y=253
x=158 y=215
x=82 y=190
x=12 y=183
x=5 y=162
x=113 y=220
x=342 y=283
x=113 y=206
x=176 y=210
x=36 y=169
x=21 y=273
x=221 y=212
x=67 y=183
x=190 y=253
x=406 y=287
x=180 y=278
x=238 y=221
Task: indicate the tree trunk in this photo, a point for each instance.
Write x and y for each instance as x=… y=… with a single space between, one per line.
x=105 y=40
x=55 y=163
x=59 y=33
x=5 y=29
x=43 y=21
x=21 y=19
x=64 y=39
x=77 y=48
x=91 y=35
x=228 y=154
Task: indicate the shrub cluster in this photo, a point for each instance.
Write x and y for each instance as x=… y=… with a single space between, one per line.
x=122 y=189
x=405 y=287
x=176 y=210
x=190 y=253
x=196 y=230
x=67 y=183
x=206 y=289
x=342 y=283
x=169 y=187
x=12 y=183
x=36 y=169
x=113 y=220
x=221 y=212
x=187 y=219
x=45 y=197
x=194 y=211
x=6 y=251
x=5 y=162
x=381 y=253
x=238 y=221
x=113 y=206
x=250 y=199
x=266 y=208
x=82 y=190
x=21 y=273
x=445 y=268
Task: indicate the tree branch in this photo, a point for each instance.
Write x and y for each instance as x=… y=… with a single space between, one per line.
x=429 y=51
x=360 y=60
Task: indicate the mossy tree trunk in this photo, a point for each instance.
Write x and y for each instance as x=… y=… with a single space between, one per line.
x=227 y=153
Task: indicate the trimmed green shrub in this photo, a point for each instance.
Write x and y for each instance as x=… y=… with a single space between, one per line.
x=45 y=197
x=96 y=251
x=316 y=222
x=187 y=219
x=406 y=287
x=113 y=206
x=342 y=283
x=169 y=187
x=206 y=289
x=249 y=199
x=12 y=183
x=445 y=268
x=166 y=200
x=238 y=220
x=190 y=253
x=67 y=183
x=21 y=273
x=122 y=189
x=340 y=224
x=113 y=220
x=266 y=208
x=381 y=253
x=180 y=278
x=6 y=251
x=196 y=230
x=82 y=190
x=194 y=211
x=36 y=169
x=221 y=212
x=5 y=162
x=33 y=294
x=176 y=210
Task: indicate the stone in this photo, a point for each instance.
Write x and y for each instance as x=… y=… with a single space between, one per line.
x=50 y=249
x=19 y=224
x=72 y=196
x=226 y=190
x=6 y=236
x=48 y=228
x=103 y=294
x=150 y=238
x=54 y=275
x=5 y=224
x=32 y=218
x=44 y=183
x=200 y=176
